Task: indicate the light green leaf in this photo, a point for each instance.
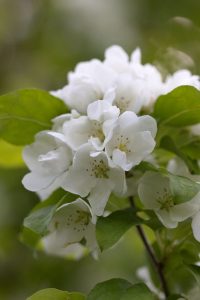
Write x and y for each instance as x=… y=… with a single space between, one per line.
x=181 y=107
x=138 y=292
x=54 y=294
x=183 y=189
x=112 y=289
x=10 y=155
x=110 y=229
x=25 y=112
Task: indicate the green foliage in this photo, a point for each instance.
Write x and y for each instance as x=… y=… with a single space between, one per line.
x=120 y=289
x=195 y=270
x=110 y=229
x=138 y=292
x=54 y=294
x=25 y=112
x=183 y=189
x=111 y=289
x=10 y=155
x=181 y=107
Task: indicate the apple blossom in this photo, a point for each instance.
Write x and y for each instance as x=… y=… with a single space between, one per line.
x=92 y=175
x=155 y=194
x=132 y=140
x=92 y=127
x=48 y=158
x=71 y=224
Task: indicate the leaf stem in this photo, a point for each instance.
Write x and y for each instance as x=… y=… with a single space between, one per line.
x=157 y=264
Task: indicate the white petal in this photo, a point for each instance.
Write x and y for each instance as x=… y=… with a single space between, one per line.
x=73 y=251
x=77 y=131
x=118 y=178
x=36 y=182
x=165 y=218
x=120 y=159
x=196 y=226
x=152 y=187
x=99 y=196
x=136 y=56
x=127 y=119
x=102 y=110
x=147 y=123
x=116 y=52
x=78 y=182
x=183 y=211
x=140 y=147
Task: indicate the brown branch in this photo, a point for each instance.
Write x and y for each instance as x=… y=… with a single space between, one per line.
x=158 y=265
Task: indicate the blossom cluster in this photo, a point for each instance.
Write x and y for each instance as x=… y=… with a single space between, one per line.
x=93 y=150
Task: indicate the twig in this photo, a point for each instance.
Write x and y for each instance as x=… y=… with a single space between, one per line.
x=158 y=265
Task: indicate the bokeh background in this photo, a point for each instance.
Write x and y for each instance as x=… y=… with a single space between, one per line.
x=40 y=41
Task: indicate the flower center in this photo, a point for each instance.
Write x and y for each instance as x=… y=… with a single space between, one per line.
x=99 y=169
x=97 y=131
x=123 y=144
x=78 y=220
x=166 y=200
x=122 y=103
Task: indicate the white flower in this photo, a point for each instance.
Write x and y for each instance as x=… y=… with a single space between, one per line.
x=93 y=174
x=128 y=93
x=132 y=140
x=139 y=85
x=181 y=77
x=61 y=119
x=96 y=127
x=154 y=192
x=149 y=81
x=88 y=83
x=178 y=167
x=72 y=224
x=117 y=59
x=48 y=158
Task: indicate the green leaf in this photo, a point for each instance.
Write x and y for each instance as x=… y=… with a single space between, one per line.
x=29 y=237
x=112 y=289
x=54 y=294
x=120 y=289
x=40 y=217
x=138 y=292
x=181 y=107
x=39 y=220
x=195 y=271
x=110 y=229
x=10 y=155
x=25 y=112
x=183 y=189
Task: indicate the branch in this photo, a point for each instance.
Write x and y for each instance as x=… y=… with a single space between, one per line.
x=158 y=265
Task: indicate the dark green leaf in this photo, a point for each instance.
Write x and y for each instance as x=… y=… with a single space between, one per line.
x=110 y=229
x=181 y=107
x=54 y=294
x=25 y=112
x=195 y=270
x=138 y=292
x=112 y=289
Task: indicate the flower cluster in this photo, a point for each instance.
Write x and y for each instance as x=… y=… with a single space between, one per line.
x=93 y=150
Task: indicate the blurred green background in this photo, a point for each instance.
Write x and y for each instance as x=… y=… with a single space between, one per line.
x=40 y=41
